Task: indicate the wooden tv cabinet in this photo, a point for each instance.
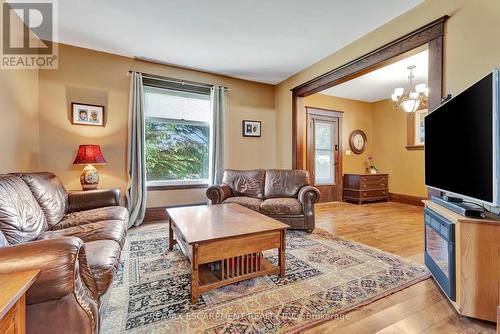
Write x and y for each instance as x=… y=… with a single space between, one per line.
x=477 y=263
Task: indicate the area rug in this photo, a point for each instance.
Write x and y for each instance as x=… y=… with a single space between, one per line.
x=326 y=277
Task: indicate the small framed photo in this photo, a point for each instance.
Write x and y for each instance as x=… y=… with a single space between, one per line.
x=251 y=128
x=87 y=114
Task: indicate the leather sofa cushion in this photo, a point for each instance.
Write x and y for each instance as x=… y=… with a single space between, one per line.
x=103 y=258
x=285 y=183
x=245 y=182
x=21 y=218
x=49 y=193
x=103 y=230
x=92 y=216
x=3 y=241
x=281 y=206
x=249 y=202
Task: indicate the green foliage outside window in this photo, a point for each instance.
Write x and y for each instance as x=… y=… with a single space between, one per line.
x=176 y=150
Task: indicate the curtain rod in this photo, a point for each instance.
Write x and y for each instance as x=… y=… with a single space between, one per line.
x=173 y=80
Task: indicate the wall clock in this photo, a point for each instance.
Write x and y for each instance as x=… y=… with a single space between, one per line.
x=357 y=141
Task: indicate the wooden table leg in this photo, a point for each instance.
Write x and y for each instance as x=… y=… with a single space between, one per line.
x=21 y=315
x=194 y=276
x=281 y=255
x=170 y=235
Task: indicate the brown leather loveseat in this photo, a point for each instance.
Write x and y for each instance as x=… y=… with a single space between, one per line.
x=74 y=239
x=285 y=195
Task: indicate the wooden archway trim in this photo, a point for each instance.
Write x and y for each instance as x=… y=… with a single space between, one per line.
x=431 y=34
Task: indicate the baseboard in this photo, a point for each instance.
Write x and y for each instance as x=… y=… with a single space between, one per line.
x=407 y=199
x=160 y=213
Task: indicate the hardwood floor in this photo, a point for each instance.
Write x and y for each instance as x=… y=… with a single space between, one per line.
x=395 y=228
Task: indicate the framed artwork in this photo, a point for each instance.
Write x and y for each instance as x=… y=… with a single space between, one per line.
x=357 y=141
x=251 y=128
x=87 y=114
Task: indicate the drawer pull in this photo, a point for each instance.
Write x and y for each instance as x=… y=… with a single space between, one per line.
x=364 y=194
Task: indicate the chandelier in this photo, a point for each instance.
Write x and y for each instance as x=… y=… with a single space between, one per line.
x=412 y=99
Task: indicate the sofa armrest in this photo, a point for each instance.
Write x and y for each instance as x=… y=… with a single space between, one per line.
x=92 y=199
x=308 y=195
x=219 y=193
x=63 y=268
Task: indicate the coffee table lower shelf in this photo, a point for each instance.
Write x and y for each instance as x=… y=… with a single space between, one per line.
x=210 y=279
x=223 y=262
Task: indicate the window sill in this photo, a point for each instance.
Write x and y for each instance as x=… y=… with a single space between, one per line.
x=177 y=186
x=414 y=147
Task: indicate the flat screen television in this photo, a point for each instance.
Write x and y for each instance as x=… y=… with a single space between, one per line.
x=462 y=143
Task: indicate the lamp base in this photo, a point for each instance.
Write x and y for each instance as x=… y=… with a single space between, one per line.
x=89 y=179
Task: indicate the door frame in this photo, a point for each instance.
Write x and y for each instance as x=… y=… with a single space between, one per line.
x=431 y=34
x=326 y=114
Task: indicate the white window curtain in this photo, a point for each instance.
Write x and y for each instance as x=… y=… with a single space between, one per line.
x=217 y=136
x=136 y=159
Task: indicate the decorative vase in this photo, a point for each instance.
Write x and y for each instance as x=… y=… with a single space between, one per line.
x=373 y=171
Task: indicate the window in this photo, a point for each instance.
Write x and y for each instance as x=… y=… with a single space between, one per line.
x=415 y=130
x=324 y=153
x=177 y=136
x=419 y=127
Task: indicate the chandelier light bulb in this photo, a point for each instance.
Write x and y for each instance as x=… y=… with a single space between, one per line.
x=410 y=105
x=420 y=88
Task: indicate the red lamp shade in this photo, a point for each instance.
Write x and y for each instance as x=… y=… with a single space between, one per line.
x=89 y=154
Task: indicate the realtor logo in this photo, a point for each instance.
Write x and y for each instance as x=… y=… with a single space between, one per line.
x=28 y=32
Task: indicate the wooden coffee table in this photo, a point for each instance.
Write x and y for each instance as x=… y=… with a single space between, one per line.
x=224 y=244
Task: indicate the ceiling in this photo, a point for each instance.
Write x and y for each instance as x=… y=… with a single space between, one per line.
x=379 y=84
x=265 y=41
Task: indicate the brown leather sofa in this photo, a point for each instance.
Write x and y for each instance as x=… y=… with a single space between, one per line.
x=285 y=195
x=74 y=239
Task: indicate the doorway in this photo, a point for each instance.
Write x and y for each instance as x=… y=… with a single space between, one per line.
x=431 y=35
x=324 y=128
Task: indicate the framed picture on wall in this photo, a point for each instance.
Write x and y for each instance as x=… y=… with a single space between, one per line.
x=87 y=114
x=251 y=128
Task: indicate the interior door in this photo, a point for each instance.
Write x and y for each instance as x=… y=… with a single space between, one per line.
x=323 y=153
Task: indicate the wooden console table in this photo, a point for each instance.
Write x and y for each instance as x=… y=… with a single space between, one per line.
x=361 y=188
x=224 y=244
x=13 y=289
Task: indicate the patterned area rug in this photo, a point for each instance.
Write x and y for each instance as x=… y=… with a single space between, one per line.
x=326 y=277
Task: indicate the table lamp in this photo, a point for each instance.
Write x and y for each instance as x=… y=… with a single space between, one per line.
x=88 y=155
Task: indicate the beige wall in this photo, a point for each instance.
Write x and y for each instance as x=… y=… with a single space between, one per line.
x=406 y=168
x=356 y=115
x=94 y=77
x=19 y=120
x=470 y=51
x=18 y=117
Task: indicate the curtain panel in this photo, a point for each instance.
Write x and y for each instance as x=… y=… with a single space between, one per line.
x=136 y=159
x=217 y=137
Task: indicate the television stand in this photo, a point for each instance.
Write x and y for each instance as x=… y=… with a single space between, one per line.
x=462 y=208
x=477 y=262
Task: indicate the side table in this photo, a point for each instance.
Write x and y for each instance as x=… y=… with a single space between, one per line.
x=13 y=289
